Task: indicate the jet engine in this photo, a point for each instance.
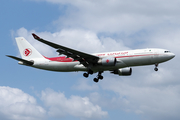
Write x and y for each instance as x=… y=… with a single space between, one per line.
x=109 y=61
x=123 y=71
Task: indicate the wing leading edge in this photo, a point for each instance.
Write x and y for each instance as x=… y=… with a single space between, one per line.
x=83 y=58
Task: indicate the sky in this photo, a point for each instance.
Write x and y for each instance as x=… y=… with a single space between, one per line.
x=90 y=26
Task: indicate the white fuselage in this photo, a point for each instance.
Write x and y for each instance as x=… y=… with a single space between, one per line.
x=124 y=59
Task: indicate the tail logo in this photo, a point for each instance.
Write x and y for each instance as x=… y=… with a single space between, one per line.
x=27 y=52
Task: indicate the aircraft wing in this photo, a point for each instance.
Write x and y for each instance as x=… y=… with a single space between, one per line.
x=82 y=57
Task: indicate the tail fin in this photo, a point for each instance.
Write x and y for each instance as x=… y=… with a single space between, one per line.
x=27 y=51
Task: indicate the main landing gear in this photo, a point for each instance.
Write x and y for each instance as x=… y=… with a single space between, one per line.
x=86 y=75
x=99 y=76
x=156 y=65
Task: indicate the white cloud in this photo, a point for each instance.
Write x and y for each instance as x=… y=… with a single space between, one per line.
x=15 y=104
x=116 y=16
x=167 y=38
x=153 y=95
x=76 y=106
x=82 y=85
x=42 y=48
x=82 y=40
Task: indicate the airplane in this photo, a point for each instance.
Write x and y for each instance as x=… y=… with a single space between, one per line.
x=118 y=62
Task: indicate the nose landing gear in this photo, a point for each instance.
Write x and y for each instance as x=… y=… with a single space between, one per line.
x=156 y=65
x=156 y=69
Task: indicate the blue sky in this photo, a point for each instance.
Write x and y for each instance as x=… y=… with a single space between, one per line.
x=90 y=26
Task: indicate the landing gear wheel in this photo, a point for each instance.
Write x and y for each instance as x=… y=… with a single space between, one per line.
x=100 y=77
x=156 y=65
x=90 y=72
x=156 y=69
x=86 y=75
x=96 y=80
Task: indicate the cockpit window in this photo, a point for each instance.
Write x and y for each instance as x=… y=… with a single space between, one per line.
x=166 y=51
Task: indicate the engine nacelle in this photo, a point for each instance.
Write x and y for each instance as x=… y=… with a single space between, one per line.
x=109 y=61
x=123 y=72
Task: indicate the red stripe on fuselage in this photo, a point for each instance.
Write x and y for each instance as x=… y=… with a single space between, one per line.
x=60 y=59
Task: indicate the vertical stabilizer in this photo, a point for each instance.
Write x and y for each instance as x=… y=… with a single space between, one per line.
x=27 y=51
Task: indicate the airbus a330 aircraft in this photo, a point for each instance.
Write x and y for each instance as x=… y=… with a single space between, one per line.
x=118 y=62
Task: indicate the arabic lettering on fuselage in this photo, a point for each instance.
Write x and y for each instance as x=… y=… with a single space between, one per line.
x=113 y=53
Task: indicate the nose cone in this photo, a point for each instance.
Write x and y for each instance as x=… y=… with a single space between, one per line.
x=166 y=56
x=172 y=55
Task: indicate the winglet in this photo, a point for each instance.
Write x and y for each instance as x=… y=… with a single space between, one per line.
x=35 y=36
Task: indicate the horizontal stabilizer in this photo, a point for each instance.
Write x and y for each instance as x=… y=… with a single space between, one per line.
x=24 y=62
